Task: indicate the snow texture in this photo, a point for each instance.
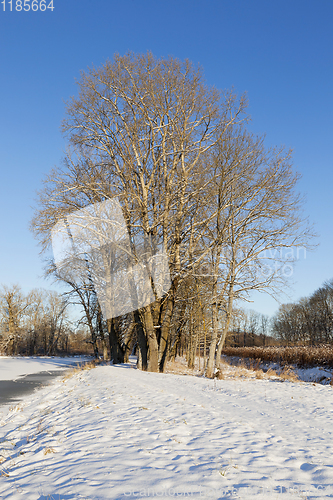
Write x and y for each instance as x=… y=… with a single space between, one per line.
x=114 y=432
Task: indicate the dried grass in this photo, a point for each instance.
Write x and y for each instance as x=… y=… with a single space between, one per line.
x=271 y=373
x=49 y=450
x=241 y=371
x=289 y=374
x=79 y=368
x=300 y=356
x=246 y=369
x=179 y=367
x=260 y=374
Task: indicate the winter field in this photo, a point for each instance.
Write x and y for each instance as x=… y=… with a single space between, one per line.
x=113 y=432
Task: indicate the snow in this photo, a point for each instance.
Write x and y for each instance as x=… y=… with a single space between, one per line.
x=114 y=432
x=316 y=374
x=11 y=368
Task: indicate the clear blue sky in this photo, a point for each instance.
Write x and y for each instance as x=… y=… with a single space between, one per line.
x=279 y=52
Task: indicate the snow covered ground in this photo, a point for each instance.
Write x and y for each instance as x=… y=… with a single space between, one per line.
x=316 y=374
x=114 y=432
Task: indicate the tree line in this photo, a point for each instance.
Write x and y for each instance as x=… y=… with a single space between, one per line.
x=178 y=156
x=37 y=323
x=307 y=322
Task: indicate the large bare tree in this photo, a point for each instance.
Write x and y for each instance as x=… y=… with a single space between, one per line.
x=141 y=128
x=176 y=154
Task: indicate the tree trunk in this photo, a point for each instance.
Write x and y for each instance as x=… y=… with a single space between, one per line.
x=101 y=332
x=142 y=343
x=168 y=308
x=226 y=326
x=165 y=329
x=128 y=342
x=117 y=354
x=151 y=339
x=210 y=368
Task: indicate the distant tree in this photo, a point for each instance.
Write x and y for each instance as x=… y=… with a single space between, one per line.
x=34 y=320
x=264 y=327
x=34 y=323
x=13 y=306
x=307 y=322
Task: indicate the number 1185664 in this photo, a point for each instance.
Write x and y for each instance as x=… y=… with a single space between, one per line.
x=25 y=5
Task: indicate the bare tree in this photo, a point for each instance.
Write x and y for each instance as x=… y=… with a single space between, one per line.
x=34 y=319
x=33 y=323
x=13 y=306
x=81 y=293
x=259 y=217
x=140 y=129
x=307 y=322
x=176 y=154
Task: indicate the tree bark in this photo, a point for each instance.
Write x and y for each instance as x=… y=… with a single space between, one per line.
x=142 y=343
x=165 y=327
x=151 y=339
x=225 y=329
x=117 y=354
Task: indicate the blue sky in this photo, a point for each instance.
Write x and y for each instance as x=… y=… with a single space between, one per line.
x=280 y=53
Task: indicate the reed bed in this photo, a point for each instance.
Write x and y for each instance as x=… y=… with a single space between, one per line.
x=300 y=356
